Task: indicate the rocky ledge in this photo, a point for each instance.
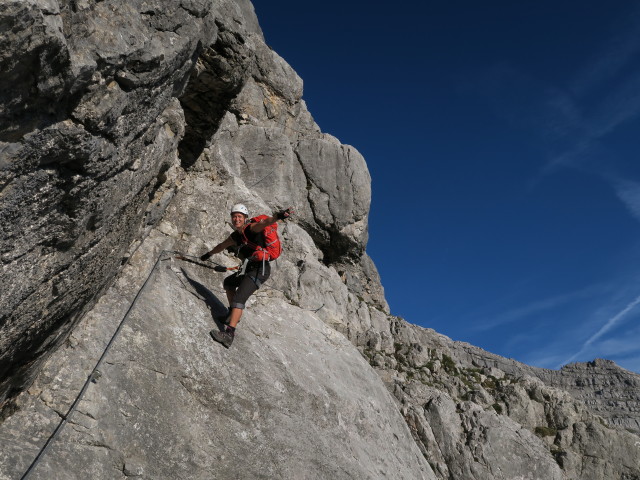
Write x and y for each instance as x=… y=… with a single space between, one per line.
x=128 y=129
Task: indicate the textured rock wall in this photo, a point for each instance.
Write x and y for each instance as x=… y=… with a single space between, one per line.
x=89 y=129
x=292 y=398
x=608 y=390
x=479 y=415
x=604 y=387
x=166 y=115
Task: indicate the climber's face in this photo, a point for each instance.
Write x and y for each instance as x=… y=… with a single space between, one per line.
x=238 y=219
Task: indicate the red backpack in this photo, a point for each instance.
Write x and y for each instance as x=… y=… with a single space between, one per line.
x=272 y=246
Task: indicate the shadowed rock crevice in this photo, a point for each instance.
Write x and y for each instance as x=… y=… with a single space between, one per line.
x=215 y=81
x=32 y=348
x=32 y=79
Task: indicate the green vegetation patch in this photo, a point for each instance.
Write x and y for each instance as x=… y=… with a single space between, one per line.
x=546 y=431
x=449 y=365
x=491 y=383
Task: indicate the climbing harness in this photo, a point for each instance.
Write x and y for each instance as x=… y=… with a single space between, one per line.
x=241 y=271
x=243 y=268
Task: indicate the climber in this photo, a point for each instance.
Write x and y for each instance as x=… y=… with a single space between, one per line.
x=257 y=243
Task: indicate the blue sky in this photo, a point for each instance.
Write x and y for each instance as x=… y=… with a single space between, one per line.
x=503 y=143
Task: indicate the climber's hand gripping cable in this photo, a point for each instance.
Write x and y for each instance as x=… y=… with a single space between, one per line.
x=217 y=267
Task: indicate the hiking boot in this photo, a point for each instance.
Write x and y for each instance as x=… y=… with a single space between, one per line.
x=225 y=338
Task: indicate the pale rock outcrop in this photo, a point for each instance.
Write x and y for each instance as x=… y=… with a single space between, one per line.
x=493 y=397
x=604 y=387
x=292 y=398
x=166 y=114
x=608 y=390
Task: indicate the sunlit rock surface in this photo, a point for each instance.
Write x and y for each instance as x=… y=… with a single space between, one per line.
x=131 y=130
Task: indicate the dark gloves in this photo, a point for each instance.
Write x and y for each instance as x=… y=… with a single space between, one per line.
x=205 y=256
x=282 y=214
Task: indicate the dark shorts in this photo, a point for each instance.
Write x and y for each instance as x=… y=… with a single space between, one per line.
x=245 y=285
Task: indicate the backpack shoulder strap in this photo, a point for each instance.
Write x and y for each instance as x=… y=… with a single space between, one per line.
x=245 y=239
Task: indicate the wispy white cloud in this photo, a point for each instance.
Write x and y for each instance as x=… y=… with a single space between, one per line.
x=574 y=157
x=608 y=325
x=629 y=193
x=621 y=346
x=544 y=360
x=604 y=95
x=583 y=133
x=536 y=308
x=631 y=363
x=574 y=124
x=621 y=104
x=613 y=56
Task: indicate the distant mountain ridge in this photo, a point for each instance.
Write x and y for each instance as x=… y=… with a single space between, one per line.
x=133 y=129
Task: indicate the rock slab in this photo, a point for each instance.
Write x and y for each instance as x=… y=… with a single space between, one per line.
x=292 y=398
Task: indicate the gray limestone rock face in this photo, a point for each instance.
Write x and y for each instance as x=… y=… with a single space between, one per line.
x=363 y=280
x=291 y=398
x=607 y=389
x=473 y=410
x=89 y=130
x=265 y=136
x=32 y=66
x=339 y=188
x=133 y=129
x=495 y=447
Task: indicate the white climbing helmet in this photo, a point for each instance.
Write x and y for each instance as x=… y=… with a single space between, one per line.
x=238 y=207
